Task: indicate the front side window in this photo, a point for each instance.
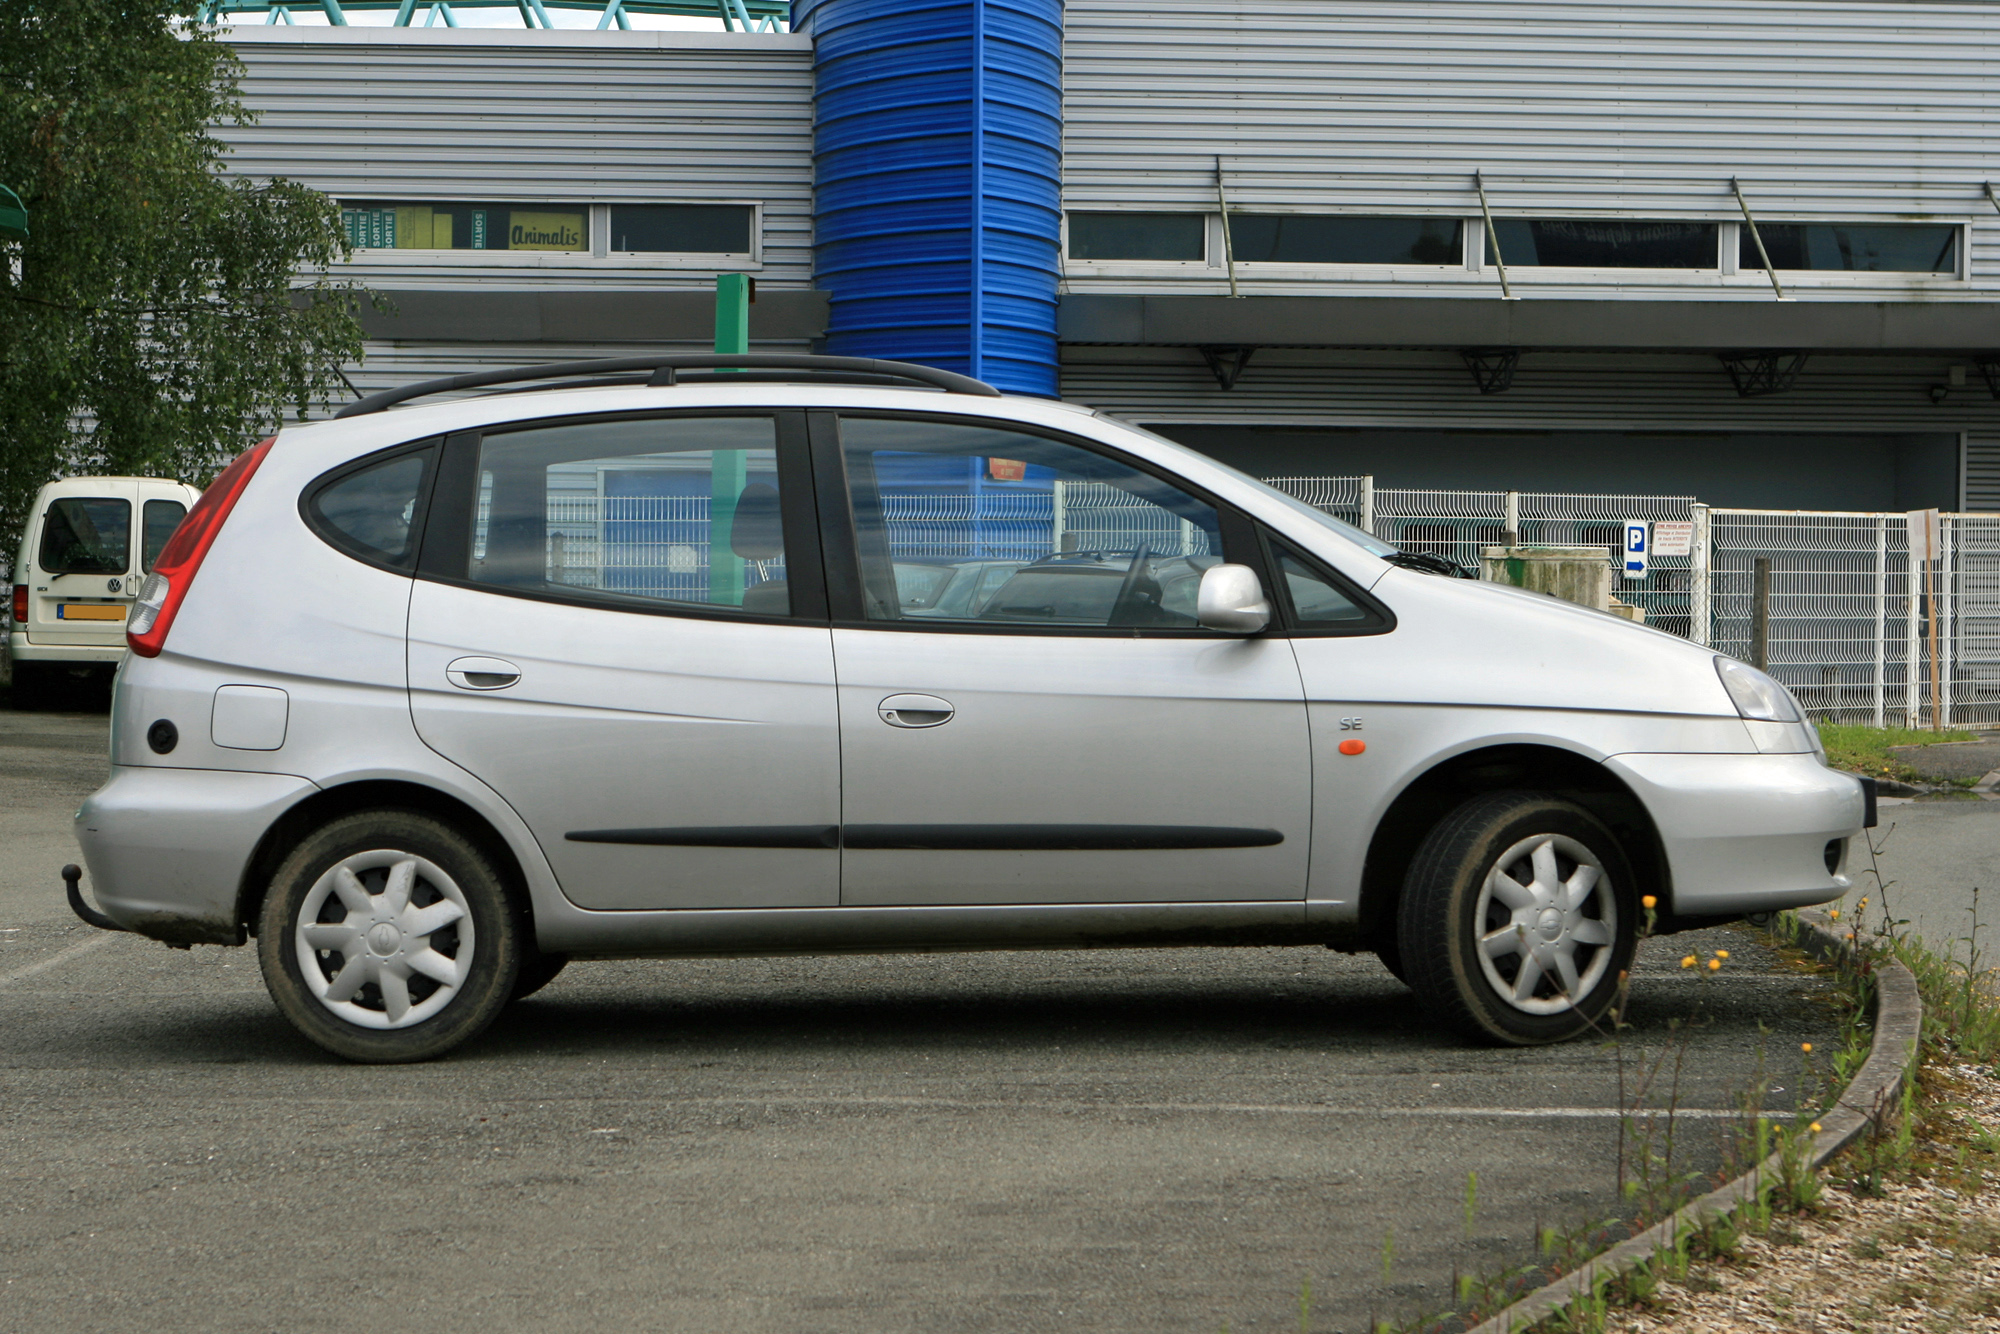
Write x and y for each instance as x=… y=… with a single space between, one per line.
x=690 y=229
x=158 y=520
x=378 y=225
x=1304 y=238
x=969 y=524
x=659 y=511
x=1317 y=598
x=1606 y=243
x=87 y=535
x=1145 y=237
x=1849 y=247
x=371 y=511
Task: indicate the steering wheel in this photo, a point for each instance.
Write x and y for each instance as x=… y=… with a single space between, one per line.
x=1131 y=580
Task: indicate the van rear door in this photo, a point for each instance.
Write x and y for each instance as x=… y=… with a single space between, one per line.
x=83 y=553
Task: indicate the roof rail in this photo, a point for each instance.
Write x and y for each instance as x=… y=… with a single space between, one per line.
x=664 y=368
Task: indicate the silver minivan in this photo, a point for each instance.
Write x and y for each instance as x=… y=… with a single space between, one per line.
x=622 y=660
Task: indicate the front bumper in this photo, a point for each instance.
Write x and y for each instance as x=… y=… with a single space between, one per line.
x=167 y=848
x=1746 y=833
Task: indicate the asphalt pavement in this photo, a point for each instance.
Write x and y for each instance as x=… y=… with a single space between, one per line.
x=1932 y=854
x=1157 y=1140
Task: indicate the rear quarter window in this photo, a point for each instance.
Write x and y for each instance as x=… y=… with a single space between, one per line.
x=374 y=510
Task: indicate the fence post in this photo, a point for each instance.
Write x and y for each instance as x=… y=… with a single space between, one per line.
x=1700 y=629
x=1943 y=625
x=1881 y=620
x=1913 y=654
x=1512 y=521
x=1368 y=503
x=1760 y=615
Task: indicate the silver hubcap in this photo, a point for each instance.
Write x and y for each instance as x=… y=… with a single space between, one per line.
x=384 y=939
x=1546 y=921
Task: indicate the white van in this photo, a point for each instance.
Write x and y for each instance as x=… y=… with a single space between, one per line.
x=88 y=547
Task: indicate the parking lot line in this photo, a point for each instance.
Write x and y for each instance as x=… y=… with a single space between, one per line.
x=59 y=957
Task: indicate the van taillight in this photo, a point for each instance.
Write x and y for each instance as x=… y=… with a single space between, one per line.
x=165 y=588
x=20 y=604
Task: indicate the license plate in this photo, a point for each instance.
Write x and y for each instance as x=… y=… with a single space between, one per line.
x=86 y=611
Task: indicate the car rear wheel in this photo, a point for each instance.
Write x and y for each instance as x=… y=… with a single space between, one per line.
x=387 y=936
x=1517 y=919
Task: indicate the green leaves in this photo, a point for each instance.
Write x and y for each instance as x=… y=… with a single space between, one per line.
x=161 y=315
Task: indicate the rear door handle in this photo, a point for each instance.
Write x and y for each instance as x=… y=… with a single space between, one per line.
x=915 y=711
x=481 y=673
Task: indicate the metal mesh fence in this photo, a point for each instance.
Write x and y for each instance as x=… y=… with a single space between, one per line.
x=1848 y=626
x=1456 y=524
x=1850 y=621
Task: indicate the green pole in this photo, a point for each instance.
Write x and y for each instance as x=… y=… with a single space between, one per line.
x=728 y=470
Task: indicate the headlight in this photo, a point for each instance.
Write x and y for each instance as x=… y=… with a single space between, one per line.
x=1756 y=695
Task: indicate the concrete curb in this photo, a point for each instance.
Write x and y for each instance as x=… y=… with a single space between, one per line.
x=1899 y=1014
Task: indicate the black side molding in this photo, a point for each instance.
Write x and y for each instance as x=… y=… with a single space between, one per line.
x=1052 y=837
x=1868 y=809
x=717 y=836
x=943 y=837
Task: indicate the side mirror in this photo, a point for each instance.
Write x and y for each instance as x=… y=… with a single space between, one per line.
x=1231 y=600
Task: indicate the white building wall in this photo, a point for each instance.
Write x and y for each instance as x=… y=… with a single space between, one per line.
x=1836 y=110
x=571 y=116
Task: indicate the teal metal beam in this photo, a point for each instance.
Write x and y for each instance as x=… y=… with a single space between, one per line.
x=334 y=15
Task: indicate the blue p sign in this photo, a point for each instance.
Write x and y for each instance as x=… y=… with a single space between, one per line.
x=1638 y=548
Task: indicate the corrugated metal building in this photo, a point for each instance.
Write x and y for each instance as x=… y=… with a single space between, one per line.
x=1640 y=344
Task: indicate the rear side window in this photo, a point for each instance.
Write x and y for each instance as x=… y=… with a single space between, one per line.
x=87 y=535
x=373 y=511
x=643 y=513
x=158 y=521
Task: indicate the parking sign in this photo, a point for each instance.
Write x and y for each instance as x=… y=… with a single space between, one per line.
x=1638 y=547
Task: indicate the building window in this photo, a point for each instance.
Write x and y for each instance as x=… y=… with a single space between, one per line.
x=1304 y=238
x=1853 y=247
x=393 y=226
x=1567 y=243
x=687 y=229
x=1147 y=237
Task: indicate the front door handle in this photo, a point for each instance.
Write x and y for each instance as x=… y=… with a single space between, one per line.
x=915 y=711
x=481 y=673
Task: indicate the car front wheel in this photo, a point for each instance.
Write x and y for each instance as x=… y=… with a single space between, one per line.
x=1517 y=919
x=387 y=936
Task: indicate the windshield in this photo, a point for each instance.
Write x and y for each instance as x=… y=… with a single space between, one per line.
x=1367 y=541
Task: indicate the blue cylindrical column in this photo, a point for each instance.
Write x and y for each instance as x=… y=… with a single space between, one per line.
x=937 y=149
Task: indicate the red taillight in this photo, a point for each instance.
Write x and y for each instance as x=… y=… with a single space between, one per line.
x=20 y=605
x=160 y=597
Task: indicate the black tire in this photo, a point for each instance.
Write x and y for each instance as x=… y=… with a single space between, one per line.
x=1445 y=913
x=361 y=1023
x=537 y=971
x=1389 y=950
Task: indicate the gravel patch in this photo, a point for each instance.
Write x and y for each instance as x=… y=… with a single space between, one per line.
x=1924 y=1256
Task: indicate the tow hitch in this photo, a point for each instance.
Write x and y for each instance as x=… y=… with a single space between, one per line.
x=72 y=881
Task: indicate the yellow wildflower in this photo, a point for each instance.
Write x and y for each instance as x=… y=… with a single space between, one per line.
x=1649 y=902
x=1689 y=962
x=1714 y=964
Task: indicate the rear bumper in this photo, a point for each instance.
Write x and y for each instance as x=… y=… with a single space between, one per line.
x=167 y=848
x=20 y=649
x=1746 y=833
